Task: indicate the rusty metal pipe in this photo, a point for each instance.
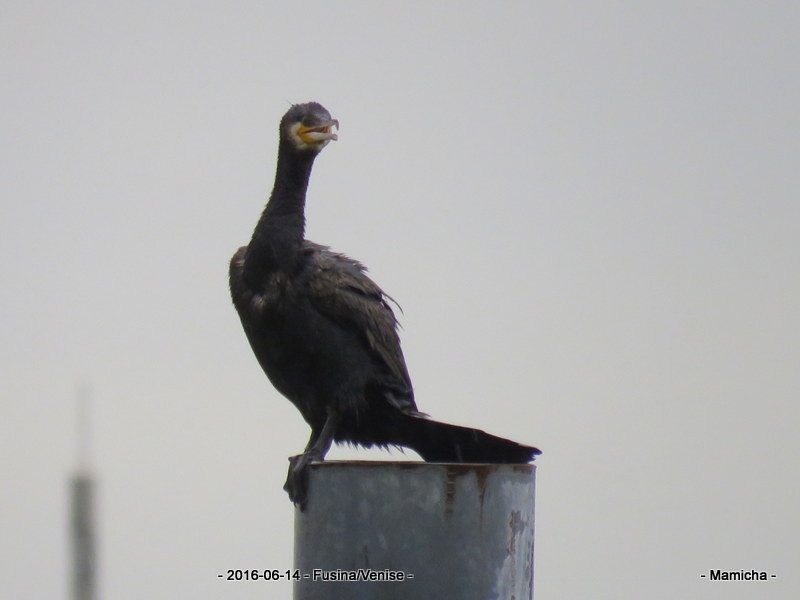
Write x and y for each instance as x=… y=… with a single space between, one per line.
x=410 y=530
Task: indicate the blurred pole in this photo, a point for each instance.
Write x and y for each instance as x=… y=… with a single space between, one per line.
x=82 y=530
x=82 y=533
x=418 y=530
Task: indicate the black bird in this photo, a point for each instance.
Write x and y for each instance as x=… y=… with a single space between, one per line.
x=324 y=332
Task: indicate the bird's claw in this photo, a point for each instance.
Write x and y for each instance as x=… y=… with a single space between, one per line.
x=297 y=478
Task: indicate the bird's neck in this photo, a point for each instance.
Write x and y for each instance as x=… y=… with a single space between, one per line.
x=279 y=234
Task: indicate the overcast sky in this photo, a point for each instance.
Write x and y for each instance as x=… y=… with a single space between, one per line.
x=588 y=212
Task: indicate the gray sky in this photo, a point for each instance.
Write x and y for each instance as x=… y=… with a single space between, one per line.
x=588 y=212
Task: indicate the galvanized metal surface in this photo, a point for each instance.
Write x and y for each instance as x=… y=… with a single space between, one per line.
x=450 y=531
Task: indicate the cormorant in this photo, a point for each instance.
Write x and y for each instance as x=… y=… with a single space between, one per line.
x=325 y=334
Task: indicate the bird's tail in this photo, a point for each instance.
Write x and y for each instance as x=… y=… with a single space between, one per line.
x=441 y=442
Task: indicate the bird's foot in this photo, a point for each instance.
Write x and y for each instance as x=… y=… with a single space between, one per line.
x=297 y=478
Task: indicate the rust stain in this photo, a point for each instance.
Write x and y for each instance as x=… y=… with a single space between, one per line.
x=455 y=471
x=365 y=553
x=516 y=525
x=481 y=472
x=450 y=489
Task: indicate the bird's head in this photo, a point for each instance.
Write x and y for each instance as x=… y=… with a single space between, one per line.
x=308 y=127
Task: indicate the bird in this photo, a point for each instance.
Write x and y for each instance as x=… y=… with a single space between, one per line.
x=325 y=334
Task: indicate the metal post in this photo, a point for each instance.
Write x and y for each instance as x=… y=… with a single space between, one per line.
x=82 y=534
x=415 y=531
x=82 y=529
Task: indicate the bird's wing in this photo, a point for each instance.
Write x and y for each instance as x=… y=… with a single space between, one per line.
x=340 y=289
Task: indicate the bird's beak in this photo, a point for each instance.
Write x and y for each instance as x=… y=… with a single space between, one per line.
x=318 y=133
